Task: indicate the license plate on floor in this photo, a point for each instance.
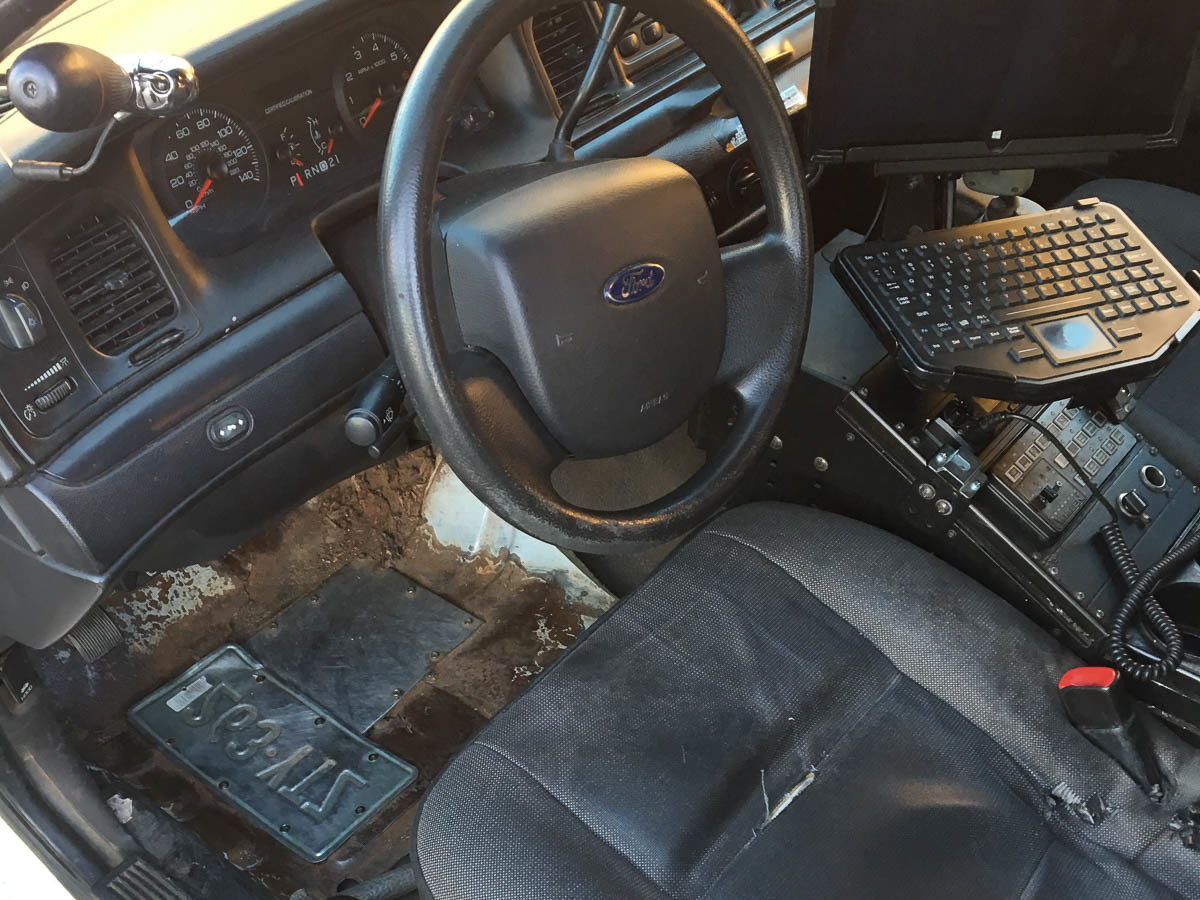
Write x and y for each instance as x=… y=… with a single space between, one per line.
x=271 y=752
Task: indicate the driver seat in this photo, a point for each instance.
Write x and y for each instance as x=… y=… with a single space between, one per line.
x=799 y=705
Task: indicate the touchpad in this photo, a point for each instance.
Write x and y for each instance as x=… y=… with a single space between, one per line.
x=1072 y=339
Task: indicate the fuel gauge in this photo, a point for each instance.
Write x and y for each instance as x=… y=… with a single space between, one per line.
x=308 y=148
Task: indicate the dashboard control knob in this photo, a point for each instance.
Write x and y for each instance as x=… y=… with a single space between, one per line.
x=21 y=325
x=56 y=395
x=1134 y=507
x=377 y=411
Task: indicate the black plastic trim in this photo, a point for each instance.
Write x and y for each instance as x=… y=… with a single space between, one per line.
x=204 y=378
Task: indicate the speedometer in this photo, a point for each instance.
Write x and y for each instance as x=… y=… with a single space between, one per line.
x=371 y=76
x=211 y=171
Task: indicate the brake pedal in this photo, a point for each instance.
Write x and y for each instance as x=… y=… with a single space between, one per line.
x=95 y=636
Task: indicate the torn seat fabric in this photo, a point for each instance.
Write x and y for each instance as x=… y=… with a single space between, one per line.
x=797 y=705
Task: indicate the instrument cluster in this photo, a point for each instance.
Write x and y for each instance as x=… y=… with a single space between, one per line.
x=306 y=125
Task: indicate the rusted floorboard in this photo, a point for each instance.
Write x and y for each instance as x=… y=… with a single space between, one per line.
x=177 y=618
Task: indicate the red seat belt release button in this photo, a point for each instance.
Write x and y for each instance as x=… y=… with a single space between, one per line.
x=1096 y=702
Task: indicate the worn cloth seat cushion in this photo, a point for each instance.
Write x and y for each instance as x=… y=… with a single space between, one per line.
x=799 y=705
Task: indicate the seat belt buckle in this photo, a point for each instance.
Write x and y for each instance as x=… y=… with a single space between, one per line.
x=1100 y=708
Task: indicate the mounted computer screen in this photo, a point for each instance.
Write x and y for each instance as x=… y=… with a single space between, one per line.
x=921 y=85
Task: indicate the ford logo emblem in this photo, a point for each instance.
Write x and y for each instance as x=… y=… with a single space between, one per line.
x=634 y=283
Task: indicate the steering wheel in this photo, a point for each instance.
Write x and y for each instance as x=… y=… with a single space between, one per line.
x=584 y=308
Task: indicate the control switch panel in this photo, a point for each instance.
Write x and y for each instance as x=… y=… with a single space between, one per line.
x=1041 y=478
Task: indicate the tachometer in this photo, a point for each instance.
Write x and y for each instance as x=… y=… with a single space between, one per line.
x=212 y=172
x=372 y=75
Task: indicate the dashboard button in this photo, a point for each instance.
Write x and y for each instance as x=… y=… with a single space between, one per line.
x=228 y=427
x=652 y=33
x=630 y=44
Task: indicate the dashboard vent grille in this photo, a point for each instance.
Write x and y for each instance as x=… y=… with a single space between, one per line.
x=564 y=37
x=112 y=286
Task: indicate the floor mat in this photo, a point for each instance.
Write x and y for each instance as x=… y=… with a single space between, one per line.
x=372 y=520
x=361 y=641
x=287 y=763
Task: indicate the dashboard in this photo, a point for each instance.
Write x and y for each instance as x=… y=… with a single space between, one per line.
x=183 y=328
x=303 y=126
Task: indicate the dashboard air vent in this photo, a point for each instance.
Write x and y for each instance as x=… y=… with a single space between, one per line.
x=112 y=286
x=565 y=38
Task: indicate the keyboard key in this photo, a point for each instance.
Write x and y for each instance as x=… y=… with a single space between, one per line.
x=1178 y=298
x=1126 y=308
x=1125 y=332
x=1049 y=307
x=1114 y=294
x=1108 y=313
x=1029 y=295
x=1014 y=332
x=1144 y=304
x=1162 y=301
x=954 y=344
x=1115 y=231
x=995 y=335
x=1138 y=258
x=1020 y=354
x=1105 y=218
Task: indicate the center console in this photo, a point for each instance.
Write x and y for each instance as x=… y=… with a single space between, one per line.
x=995 y=487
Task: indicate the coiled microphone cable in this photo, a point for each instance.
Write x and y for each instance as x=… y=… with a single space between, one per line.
x=1139 y=596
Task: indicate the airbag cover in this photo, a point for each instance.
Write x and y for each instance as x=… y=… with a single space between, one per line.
x=599 y=288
